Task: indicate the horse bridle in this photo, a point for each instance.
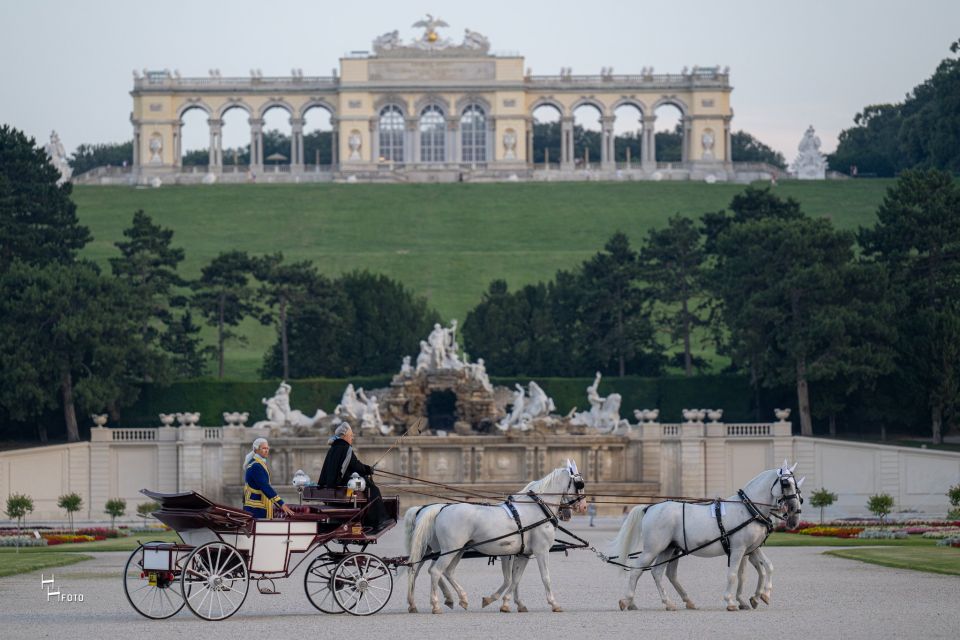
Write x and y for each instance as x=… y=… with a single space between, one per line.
x=784 y=479
x=565 y=510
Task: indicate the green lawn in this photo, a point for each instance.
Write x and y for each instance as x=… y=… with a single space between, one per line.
x=128 y=543
x=932 y=559
x=797 y=540
x=445 y=242
x=36 y=559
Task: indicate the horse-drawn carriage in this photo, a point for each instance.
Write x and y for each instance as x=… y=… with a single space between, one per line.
x=223 y=549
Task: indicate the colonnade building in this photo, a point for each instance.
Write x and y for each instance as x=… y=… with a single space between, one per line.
x=432 y=109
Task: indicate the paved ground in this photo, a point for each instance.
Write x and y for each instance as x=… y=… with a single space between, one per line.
x=814 y=596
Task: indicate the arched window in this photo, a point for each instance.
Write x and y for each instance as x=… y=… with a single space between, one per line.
x=473 y=131
x=391 y=134
x=432 y=138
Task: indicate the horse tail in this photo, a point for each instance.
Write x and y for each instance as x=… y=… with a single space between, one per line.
x=423 y=532
x=628 y=536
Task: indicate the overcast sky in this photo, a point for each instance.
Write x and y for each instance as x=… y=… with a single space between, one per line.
x=67 y=65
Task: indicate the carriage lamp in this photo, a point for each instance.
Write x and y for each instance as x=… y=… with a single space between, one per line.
x=300 y=480
x=355 y=484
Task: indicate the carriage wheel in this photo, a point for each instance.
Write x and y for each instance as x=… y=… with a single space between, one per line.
x=316 y=582
x=215 y=581
x=155 y=596
x=362 y=584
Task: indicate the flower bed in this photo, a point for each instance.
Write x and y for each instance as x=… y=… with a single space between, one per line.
x=835 y=532
x=943 y=533
x=68 y=538
x=882 y=534
x=22 y=541
x=949 y=542
x=101 y=532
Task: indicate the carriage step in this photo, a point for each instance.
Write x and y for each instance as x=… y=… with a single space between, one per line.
x=266 y=587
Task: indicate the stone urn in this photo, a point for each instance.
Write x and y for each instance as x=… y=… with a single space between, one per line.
x=714 y=415
x=166 y=419
x=187 y=419
x=235 y=418
x=99 y=419
x=782 y=414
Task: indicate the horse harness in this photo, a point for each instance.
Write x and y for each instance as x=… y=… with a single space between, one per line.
x=549 y=516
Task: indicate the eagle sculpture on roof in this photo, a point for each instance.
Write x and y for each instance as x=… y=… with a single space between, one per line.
x=430 y=26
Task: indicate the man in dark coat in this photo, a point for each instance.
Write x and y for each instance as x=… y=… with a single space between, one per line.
x=341 y=463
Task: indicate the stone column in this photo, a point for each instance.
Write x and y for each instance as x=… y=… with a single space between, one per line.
x=177 y=151
x=334 y=144
x=136 y=146
x=256 y=144
x=215 y=152
x=686 y=143
x=296 y=145
x=727 y=142
x=190 y=461
x=607 y=156
x=649 y=151
x=566 y=142
x=374 y=141
x=530 y=142
x=413 y=134
x=453 y=140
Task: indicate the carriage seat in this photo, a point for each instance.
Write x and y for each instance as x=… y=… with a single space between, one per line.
x=321 y=512
x=313 y=493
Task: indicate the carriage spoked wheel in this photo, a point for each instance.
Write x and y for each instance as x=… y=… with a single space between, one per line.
x=152 y=594
x=215 y=581
x=317 y=581
x=362 y=584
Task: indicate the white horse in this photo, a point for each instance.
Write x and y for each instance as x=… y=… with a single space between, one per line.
x=492 y=530
x=666 y=528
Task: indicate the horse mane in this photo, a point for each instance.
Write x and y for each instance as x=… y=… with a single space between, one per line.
x=537 y=485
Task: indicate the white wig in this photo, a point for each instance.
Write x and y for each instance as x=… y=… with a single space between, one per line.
x=253 y=452
x=340 y=431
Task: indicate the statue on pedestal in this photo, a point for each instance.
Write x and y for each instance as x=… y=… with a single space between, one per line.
x=604 y=414
x=58 y=157
x=810 y=164
x=281 y=416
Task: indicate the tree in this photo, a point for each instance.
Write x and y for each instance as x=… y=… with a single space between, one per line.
x=91 y=156
x=148 y=264
x=360 y=324
x=746 y=148
x=923 y=131
x=71 y=503
x=280 y=286
x=183 y=346
x=224 y=297
x=115 y=508
x=38 y=220
x=797 y=304
x=672 y=263
x=614 y=314
x=144 y=509
x=68 y=337
x=669 y=144
x=917 y=241
x=822 y=498
x=18 y=506
x=880 y=505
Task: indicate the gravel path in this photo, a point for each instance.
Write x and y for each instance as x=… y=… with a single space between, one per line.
x=814 y=596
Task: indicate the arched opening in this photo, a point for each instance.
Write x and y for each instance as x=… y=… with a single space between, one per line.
x=391 y=130
x=586 y=136
x=277 y=135
x=433 y=128
x=628 y=136
x=235 y=139
x=442 y=410
x=473 y=134
x=670 y=138
x=194 y=140
x=318 y=147
x=546 y=136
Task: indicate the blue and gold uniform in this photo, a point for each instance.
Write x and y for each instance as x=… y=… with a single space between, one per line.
x=259 y=498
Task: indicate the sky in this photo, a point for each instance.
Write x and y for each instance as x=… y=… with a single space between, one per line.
x=67 y=65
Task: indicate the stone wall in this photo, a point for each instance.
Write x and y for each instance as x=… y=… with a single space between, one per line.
x=693 y=459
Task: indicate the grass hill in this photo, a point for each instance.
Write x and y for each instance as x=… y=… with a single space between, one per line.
x=445 y=242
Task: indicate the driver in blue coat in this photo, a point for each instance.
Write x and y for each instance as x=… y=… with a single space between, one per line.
x=259 y=498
